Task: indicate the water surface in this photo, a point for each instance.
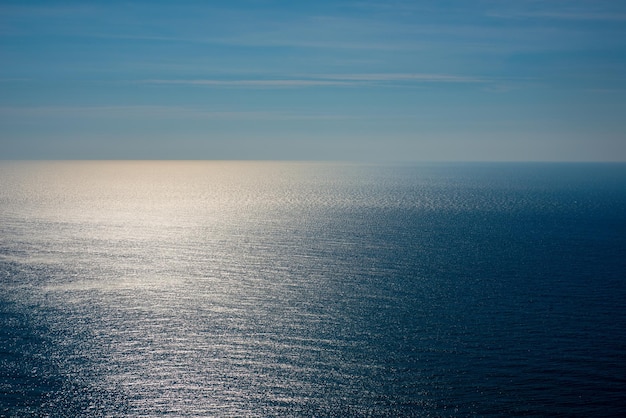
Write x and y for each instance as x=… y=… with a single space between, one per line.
x=312 y=289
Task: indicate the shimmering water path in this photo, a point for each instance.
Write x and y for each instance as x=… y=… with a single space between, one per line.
x=302 y=289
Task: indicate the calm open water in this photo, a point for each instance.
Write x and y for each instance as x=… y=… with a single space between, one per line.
x=302 y=289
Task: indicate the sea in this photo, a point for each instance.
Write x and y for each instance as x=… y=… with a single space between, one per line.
x=267 y=289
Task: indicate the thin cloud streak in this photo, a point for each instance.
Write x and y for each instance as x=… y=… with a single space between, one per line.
x=408 y=77
x=324 y=80
x=173 y=112
x=252 y=83
x=47 y=11
x=617 y=17
x=272 y=43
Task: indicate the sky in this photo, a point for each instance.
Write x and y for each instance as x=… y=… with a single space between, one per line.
x=446 y=80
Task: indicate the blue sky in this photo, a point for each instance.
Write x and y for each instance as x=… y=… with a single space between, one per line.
x=473 y=80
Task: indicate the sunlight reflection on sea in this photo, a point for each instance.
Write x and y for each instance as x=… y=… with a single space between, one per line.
x=318 y=289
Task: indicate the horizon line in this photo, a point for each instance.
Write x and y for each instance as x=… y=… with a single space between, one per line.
x=296 y=160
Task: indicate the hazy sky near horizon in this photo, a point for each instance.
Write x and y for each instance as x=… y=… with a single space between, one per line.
x=322 y=80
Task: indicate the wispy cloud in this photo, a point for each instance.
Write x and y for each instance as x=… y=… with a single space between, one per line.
x=561 y=15
x=173 y=112
x=286 y=83
x=581 y=10
x=255 y=40
x=407 y=77
x=323 y=80
x=46 y=11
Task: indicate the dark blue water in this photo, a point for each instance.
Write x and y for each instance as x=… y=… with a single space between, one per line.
x=282 y=289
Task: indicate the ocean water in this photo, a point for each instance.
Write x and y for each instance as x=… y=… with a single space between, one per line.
x=310 y=289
